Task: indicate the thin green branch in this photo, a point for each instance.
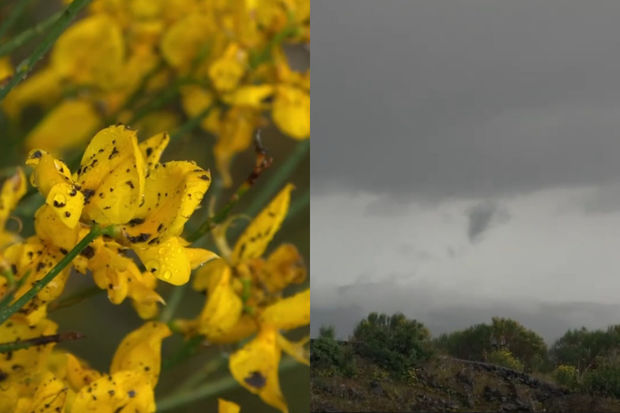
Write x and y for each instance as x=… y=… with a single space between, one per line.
x=191 y=123
x=11 y=309
x=28 y=34
x=55 y=31
x=299 y=203
x=40 y=341
x=201 y=374
x=16 y=13
x=189 y=348
x=75 y=298
x=173 y=302
x=209 y=389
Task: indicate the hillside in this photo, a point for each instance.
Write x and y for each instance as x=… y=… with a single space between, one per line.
x=444 y=384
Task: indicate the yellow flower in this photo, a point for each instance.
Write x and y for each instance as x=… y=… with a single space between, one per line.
x=291 y=111
x=184 y=39
x=226 y=72
x=133 y=375
x=22 y=370
x=49 y=396
x=241 y=281
x=91 y=52
x=140 y=351
x=122 y=183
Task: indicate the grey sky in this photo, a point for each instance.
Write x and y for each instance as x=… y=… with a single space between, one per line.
x=467 y=151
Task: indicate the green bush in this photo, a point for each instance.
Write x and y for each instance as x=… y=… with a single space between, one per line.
x=327 y=353
x=505 y=358
x=567 y=376
x=503 y=334
x=584 y=349
x=603 y=380
x=393 y=342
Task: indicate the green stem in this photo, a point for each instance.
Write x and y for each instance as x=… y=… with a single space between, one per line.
x=281 y=174
x=28 y=34
x=173 y=302
x=190 y=347
x=18 y=10
x=158 y=101
x=299 y=203
x=75 y=298
x=201 y=374
x=39 y=341
x=8 y=311
x=209 y=389
x=56 y=30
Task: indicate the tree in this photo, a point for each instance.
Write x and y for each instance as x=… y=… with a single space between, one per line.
x=394 y=342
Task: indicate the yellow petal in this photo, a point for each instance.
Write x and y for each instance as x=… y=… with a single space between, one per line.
x=291 y=112
x=173 y=191
x=255 y=367
x=140 y=351
x=50 y=228
x=91 y=52
x=283 y=267
x=182 y=42
x=66 y=126
x=125 y=391
x=12 y=190
x=78 y=373
x=43 y=88
x=222 y=309
x=168 y=260
x=32 y=359
x=6 y=68
x=111 y=176
x=209 y=275
x=254 y=240
x=235 y=135
x=153 y=147
x=226 y=71
x=296 y=349
x=47 y=172
x=288 y=313
x=49 y=397
x=195 y=100
x=243 y=328
x=224 y=406
x=252 y=96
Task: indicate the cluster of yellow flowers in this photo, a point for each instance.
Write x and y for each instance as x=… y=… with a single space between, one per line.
x=119 y=216
x=224 y=58
x=144 y=205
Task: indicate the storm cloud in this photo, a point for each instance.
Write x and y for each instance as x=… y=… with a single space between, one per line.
x=441 y=99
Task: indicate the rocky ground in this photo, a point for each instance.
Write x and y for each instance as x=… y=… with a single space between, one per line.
x=447 y=385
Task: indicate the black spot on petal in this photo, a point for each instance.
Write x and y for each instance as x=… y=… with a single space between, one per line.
x=256 y=379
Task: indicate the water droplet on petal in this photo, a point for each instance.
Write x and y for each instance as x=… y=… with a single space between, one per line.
x=167 y=275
